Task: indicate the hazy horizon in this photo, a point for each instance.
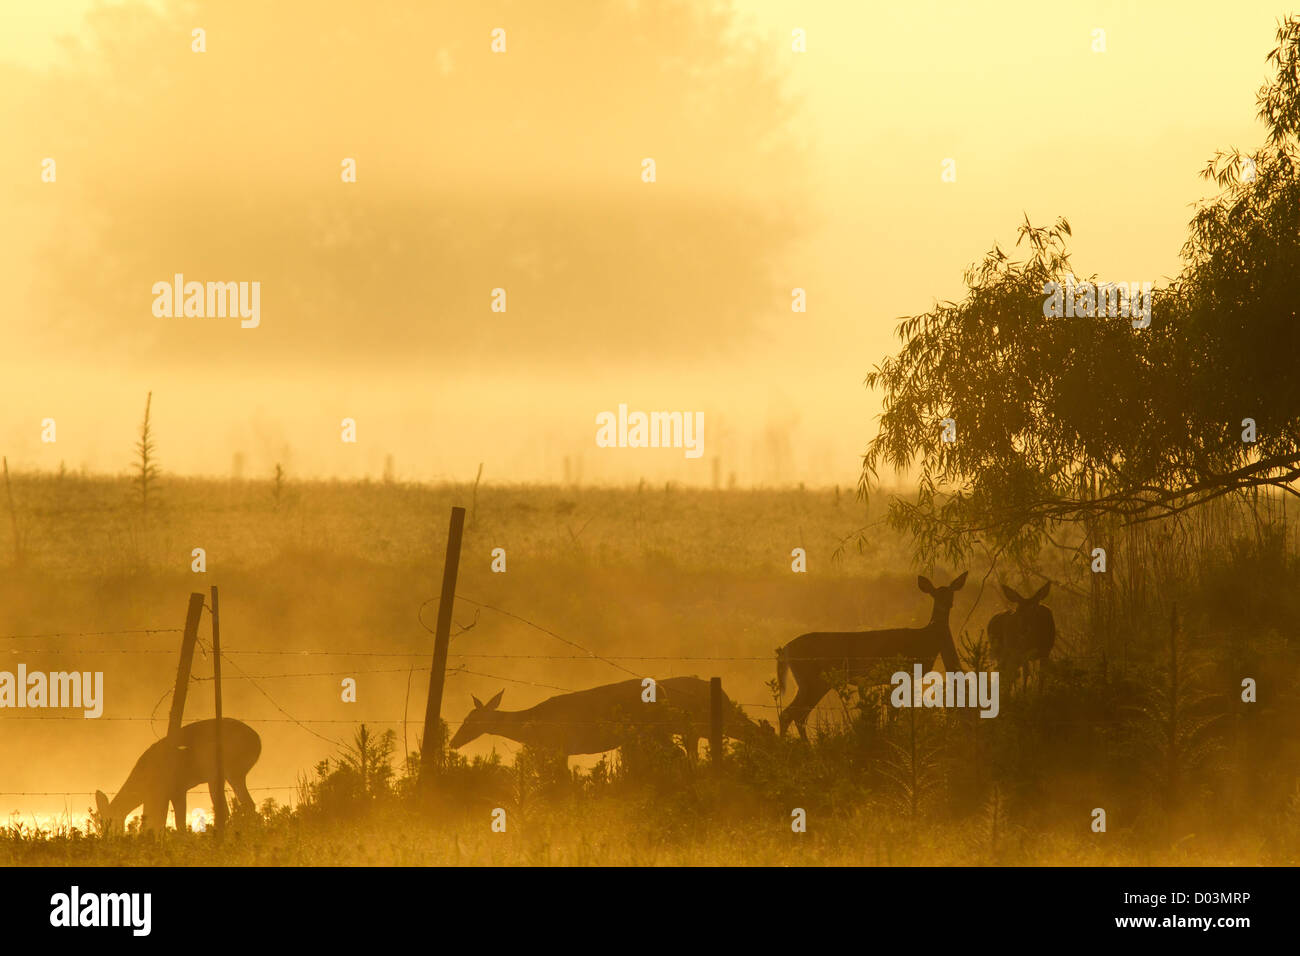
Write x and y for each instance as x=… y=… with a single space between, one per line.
x=677 y=305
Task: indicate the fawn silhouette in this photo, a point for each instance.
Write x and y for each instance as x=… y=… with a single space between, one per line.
x=1024 y=634
x=177 y=763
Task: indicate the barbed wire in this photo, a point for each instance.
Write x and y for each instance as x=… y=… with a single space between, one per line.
x=91 y=792
x=244 y=720
x=323 y=653
x=768 y=659
x=56 y=634
x=618 y=657
x=383 y=721
x=56 y=651
x=408 y=654
x=514 y=680
x=288 y=718
x=347 y=673
x=532 y=624
x=274 y=702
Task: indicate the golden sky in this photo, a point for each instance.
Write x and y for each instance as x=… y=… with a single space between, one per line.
x=775 y=170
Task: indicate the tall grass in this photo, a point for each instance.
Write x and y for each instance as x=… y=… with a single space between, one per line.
x=1137 y=712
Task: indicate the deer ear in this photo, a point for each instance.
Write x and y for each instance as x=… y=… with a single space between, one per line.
x=924 y=584
x=478 y=704
x=1012 y=596
x=959 y=582
x=495 y=701
x=101 y=804
x=1041 y=592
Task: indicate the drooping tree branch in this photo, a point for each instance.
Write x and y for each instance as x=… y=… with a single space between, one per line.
x=1059 y=417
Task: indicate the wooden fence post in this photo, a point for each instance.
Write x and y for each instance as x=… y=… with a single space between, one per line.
x=431 y=744
x=220 y=810
x=715 y=722
x=191 y=635
x=183 y=667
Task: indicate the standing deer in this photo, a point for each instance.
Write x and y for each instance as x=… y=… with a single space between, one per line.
x=810 y=656
x=1024 y=634
x=176 y=764
x=602 y=718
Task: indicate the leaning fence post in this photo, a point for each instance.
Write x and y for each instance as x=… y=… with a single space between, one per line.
x=183 y=667
x=715 y=722
x=431 y=744
x=219 y=810
x=186 y=662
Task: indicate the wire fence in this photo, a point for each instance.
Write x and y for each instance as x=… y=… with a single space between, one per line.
x=611 y=660
x=52 y=634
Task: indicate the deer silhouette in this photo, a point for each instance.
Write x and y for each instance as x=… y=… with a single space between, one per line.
x=603 y=718
x=176 y=764
x=1024 y=634
x=810 y=656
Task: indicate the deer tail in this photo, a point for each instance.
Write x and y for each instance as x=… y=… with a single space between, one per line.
x=782 y=666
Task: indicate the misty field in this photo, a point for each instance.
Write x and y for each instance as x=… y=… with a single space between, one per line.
x=1139 y=711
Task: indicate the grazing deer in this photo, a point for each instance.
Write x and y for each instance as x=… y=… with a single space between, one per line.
x=810 y=656
x=176 y=764
x=602 y=718
x=1024 y=634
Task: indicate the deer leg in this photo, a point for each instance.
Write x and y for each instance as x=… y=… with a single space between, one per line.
x=217 y=791
x=155 y=814
x=239 y=784
x=802 y=706
x=803 y=728
x=178 y=803
x=796 y=713
x=816 y=691
x=791 y=711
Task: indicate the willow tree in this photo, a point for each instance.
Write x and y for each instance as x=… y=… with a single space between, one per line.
x=1069 y=418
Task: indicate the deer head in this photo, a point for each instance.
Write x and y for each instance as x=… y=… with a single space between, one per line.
x=478 y=721
x=942 y=594
x=104 y=808
x=1026 y=602
x=1025 y=634
x=112 y=813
